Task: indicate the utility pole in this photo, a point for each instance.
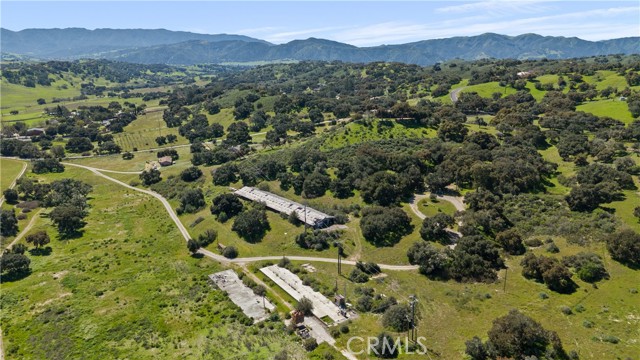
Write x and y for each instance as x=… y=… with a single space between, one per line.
x=504 y=287
x=414 y=331
x=339 y=259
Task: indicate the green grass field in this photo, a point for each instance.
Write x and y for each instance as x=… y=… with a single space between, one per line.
x=354 y=133
x=127 y=289
x=433 y=207
x=451 y=313
x=612 y=108
x=9 y=170
x=487 y=90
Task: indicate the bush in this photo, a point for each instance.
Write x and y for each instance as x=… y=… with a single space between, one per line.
x=10 y=195
x=552 y=248
x=358 y=276
x=305 y=306
x=228 y=204
x=207 y=237
x=190 y=174
x=519 y=336
x=150 y=177
x=310 y=344
x=316 y=239
x=384 y=226
x=588 y=266
x=533 y=242
x=191 y=201
x=344 y=329
x=397 y=318
x=230 y=252
x=566 y=310
x=251 y=225
x=624 y=247
x=511 y=242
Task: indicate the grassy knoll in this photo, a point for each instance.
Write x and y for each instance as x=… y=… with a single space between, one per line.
x=432 y=207
x=356 y=132
x=21 y=96
x=126 y=289
x=487 y=90
x=612 y=108
x=606 y=78
x=224 y=117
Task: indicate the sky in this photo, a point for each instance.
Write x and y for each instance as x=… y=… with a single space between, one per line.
x=360 y=23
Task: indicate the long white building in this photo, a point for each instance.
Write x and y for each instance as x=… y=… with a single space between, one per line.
x=310 y=216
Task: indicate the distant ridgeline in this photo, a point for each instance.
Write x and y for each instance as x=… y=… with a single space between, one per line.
x=184 y=48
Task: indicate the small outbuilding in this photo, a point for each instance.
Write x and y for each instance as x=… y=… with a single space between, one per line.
x=165 y=161
x=297 y=317
x=35 y=132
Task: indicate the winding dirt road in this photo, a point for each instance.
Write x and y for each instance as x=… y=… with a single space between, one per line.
x=456 y=201
x=454 y=94
x=220 y=258
x=26 y=229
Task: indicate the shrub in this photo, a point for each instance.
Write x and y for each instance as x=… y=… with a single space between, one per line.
x=517 y=336
x=624 y=247
x=192 y=173
x=397 y=318
x=228 y=204
x=533 y=242
x=384 y=226
x=251 y=225
x=588 y=266
x=310 y=344
x=230 y=252
x=358 y=276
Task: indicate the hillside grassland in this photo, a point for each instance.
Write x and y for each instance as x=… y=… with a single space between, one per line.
x=9 y=168
x=126 y=289
x=451 y=313
x=612 y=108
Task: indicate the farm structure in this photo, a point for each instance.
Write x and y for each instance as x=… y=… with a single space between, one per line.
x=292 y=284
x=251 y=304
x=311 y=217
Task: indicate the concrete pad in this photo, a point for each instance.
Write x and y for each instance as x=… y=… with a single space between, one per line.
x=241 y=295
x=292 y=284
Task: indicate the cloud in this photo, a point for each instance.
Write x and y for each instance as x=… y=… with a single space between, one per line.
x=259 y=30
x=286 y=36
x=497 y=7
x=589 y=25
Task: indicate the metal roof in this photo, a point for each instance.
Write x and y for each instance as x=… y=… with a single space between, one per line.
x=303 y=213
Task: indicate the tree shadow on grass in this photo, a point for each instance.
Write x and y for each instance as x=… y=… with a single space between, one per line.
x=15 y=276
x=197 y=255
x=41 y=251
x=70 y=236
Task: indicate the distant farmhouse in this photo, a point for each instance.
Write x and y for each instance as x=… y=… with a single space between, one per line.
x=274 y=202
x=165 y=161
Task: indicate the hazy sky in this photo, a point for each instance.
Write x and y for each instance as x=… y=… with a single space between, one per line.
x=362 y=23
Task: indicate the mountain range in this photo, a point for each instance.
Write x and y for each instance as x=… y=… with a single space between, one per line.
x=186 y=48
